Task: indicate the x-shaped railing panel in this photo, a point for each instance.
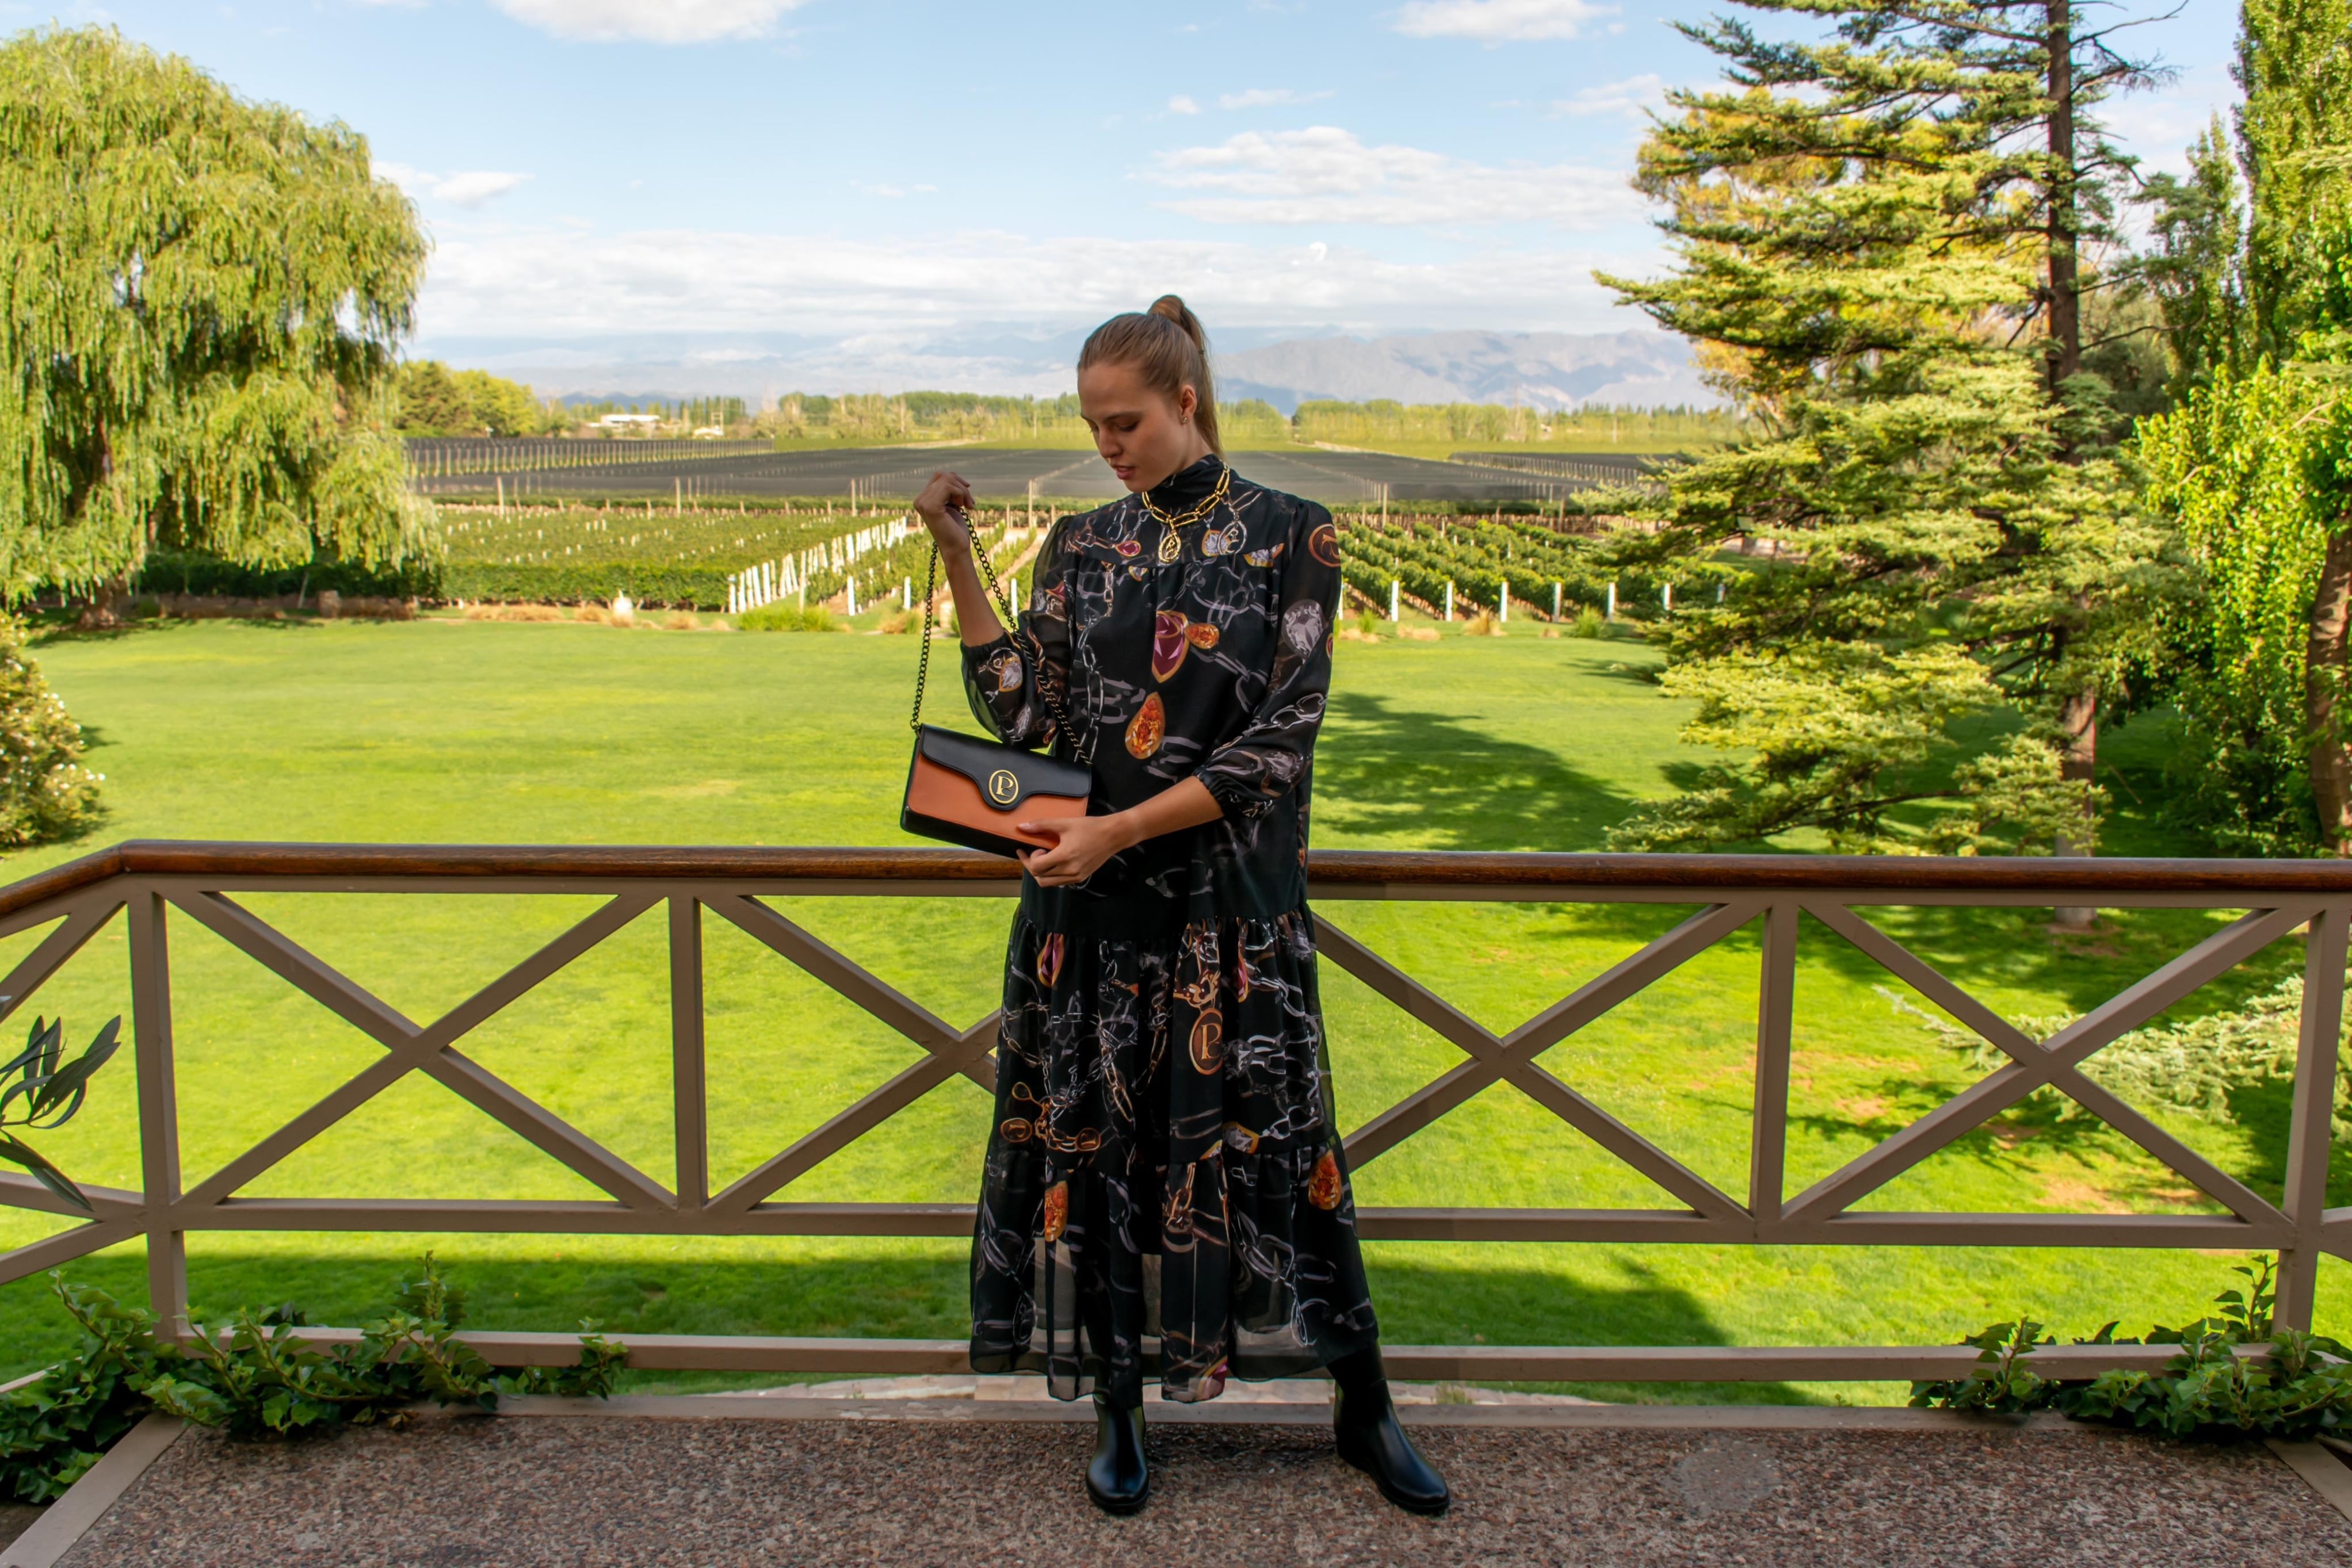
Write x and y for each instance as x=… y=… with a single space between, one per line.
x=1511 y=1058
x=2036 y=1063
x=409 y=1049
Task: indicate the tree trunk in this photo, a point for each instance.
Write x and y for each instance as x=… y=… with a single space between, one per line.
x=2066 y=281
x=2323 y=693
x=2078 y=715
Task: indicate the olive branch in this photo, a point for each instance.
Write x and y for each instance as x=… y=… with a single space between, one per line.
x=52 y=1089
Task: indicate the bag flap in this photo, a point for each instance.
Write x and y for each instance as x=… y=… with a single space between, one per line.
x=1005 y=776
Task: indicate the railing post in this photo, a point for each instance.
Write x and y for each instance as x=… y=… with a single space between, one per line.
x=1776 y=996
x=2315 y=1106
x=159 y=1111
x=687 y=1065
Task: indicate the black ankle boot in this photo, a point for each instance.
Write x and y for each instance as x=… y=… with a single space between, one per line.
x=1118 y=1480
x=1364 y=1418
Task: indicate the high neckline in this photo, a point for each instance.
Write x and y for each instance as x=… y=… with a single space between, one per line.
x=1187 y=486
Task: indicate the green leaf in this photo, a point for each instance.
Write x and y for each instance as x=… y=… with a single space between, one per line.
x=48 y=1175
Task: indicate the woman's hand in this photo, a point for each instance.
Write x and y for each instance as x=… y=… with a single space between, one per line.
x=1081 y=844
x=946 y=490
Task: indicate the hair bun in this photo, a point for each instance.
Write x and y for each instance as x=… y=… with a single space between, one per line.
x=1171 y=307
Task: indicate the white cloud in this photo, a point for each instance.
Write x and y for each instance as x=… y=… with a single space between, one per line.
x=556 y=283
x=1492 y=21
x=1325 y=175
x=650 y=21
x=467 y=188
x=1628 y=98
x=1264 y=97
x=1181 y=104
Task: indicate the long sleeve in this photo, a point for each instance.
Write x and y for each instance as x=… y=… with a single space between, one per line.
x=1003 y=690
x=1255 y=769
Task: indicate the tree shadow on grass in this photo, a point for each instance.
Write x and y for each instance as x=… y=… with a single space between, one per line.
x=904 y=1293
x=2016 y=948
x=1382 y=769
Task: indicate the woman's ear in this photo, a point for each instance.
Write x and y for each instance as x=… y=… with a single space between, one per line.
x=1187 y=400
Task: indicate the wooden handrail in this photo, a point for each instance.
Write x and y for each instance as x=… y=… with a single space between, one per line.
x=1704 y=874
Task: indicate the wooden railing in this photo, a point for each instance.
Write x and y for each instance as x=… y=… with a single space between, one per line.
x=150 y=881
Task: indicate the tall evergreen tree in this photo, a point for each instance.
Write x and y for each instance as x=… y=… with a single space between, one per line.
x=199 y=298
x=1878 y=243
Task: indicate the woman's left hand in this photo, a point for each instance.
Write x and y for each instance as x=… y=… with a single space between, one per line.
x=1081 y=844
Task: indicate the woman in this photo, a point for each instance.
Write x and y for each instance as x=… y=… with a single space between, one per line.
x=1164 y=1163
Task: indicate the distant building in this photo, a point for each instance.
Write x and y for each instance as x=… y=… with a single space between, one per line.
x=645 y=421
x=711 y=432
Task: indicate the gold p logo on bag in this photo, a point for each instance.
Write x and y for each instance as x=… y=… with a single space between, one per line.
x=1002 y=786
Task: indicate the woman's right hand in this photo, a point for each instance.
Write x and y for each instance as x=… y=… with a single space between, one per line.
x=945 y=490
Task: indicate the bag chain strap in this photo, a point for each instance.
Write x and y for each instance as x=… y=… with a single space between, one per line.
x=1012 y=628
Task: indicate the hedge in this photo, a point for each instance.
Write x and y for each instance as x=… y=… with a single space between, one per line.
x=648 y=583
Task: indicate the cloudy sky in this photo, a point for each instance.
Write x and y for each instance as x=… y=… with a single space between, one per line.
x=823 y=168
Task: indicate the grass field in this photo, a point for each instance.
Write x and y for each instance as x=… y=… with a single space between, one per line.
x=473 y=732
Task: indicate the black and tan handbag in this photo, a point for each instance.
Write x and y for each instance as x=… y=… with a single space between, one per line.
x=970 y=791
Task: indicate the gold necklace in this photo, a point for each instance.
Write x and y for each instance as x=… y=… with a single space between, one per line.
x=1194 y=514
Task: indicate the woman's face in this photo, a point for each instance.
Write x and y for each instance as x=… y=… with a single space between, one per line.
x=1143 y=434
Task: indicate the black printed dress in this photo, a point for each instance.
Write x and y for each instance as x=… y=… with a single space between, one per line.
x=1165 y=1190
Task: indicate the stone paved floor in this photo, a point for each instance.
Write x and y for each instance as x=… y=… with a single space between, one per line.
x=523 y=1492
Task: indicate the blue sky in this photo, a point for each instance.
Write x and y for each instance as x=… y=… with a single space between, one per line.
x=828 y=169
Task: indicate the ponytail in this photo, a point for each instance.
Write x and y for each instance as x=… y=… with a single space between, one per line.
x=1169 y=348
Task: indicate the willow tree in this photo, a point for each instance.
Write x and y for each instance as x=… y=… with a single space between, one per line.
x=1878 y=244
x=199 y=301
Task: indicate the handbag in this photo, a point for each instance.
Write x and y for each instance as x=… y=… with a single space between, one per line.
x=970 y=791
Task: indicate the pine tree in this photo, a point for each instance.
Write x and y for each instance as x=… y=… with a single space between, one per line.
x=201 y=300
x=1878 y=244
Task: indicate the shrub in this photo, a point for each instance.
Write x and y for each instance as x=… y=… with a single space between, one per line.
x=1589 y=623
x=2303 y=1387
x=45 y=791
x=257 y=1379
x=782 y=617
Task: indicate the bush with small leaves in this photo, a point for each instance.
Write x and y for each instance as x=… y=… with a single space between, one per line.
x=263 y=1376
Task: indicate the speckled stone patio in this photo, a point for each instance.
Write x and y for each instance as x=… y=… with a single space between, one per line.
x=898 y=1486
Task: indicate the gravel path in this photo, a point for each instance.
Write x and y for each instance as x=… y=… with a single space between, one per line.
x=633 y=1493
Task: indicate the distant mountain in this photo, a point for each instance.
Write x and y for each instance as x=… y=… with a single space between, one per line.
x=1536 y=369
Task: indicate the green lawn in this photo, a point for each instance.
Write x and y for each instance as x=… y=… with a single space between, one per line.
x=478 y=732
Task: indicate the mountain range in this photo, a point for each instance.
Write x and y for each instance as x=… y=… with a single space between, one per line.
x=1537 y=369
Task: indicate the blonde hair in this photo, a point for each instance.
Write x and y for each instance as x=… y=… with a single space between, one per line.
x=1168 y=347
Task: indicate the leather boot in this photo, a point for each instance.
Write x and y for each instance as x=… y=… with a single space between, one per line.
x=1363 y=1419
x=1118 y=1480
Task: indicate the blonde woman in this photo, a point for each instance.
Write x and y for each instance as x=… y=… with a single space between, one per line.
x=1165 y=1164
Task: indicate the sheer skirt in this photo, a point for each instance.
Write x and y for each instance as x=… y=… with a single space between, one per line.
x=1165 y=1193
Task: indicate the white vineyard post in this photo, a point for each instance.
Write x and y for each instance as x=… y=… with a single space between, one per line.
x=1610 y=613
x=1507 y=603
x=853 y=595
x=1555 y=601
x=1667 y=598
x=1449 y=602
x=1393 y=586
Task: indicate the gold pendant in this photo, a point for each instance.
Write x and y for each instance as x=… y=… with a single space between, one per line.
x=1170 y=546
